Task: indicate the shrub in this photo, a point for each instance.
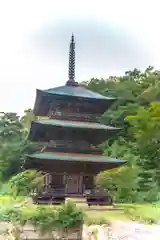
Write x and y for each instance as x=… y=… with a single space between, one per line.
x=45 y=219
x=10 y=214
x=25 y=183
x=121 y=182
x=65 y=217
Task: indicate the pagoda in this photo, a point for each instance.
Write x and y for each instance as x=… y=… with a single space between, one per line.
x=68 y=130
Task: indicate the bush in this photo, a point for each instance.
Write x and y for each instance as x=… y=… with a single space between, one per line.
x=25 y=183
x=4 y=189
x=45 y=219
x=121 y=183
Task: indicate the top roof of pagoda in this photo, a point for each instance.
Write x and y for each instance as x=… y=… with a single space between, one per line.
x=75 y=91
x=70 y=90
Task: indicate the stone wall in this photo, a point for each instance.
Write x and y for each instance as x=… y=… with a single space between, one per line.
x=29 y=233
x=118 y=230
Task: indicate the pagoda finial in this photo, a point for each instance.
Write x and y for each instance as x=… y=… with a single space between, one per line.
x=71 y=70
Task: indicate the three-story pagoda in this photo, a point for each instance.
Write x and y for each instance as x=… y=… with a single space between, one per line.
x=68 y=130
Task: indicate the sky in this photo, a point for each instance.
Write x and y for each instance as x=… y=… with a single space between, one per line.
x=111 y=37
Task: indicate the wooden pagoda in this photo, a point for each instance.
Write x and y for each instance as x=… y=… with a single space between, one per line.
x=68 y=131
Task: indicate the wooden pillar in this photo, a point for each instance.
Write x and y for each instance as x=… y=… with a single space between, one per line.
x=47 y=181
x=88 y=181
x=81 y=183
x=65 y=182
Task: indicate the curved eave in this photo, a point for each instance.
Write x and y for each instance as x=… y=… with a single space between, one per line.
x=71 y=164
x=70 y=157
x=43 y=98
x=74 y=124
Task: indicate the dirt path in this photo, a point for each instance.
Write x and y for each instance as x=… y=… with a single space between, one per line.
x=119 y=230
x=123 y=231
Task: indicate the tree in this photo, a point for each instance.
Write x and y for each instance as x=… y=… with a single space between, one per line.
x=121 y=182
x=25 y=183
x=27 y=119
x=138 y=114
x=135 y=86
x=11 y=128
x=14 y=145
x=145 y=130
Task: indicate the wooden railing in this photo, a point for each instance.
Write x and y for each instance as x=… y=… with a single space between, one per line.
x=69 y=146
x=88 y=117
x=49 y=190
x=52 y=191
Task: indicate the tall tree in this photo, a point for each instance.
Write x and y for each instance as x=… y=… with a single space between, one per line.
x=145 y=131
x=138 y=114
x=13 y=145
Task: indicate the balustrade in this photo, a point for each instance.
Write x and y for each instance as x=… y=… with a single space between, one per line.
x=70 y=146
x=52 y=191
x=75 y=116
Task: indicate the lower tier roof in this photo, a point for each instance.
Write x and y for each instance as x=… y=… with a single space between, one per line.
x=74 y=124
x=77 y=157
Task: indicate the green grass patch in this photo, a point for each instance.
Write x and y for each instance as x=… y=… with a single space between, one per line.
x=147 y=213
x=9 y=200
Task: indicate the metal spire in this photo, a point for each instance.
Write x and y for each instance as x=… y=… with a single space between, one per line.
x=71 y=70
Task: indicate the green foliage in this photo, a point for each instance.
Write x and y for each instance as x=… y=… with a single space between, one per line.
x=10 y=214
x=11 y=128
x=145 y=128
x=12 y=155
x=48 y=219
x=97 y=221
x=138 y=114
x=145 y=125
x=116 y=115
x=146 y=214
x=121 y=182
x=13 y=145
x=27 y=119
x=44 y=219
x=135 y=86
x=69 y=215
x=25 y=183
x=8 y=200
x=121 y=149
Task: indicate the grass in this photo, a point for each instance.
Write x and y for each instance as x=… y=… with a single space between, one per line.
x=7 y=200
x=148 y=213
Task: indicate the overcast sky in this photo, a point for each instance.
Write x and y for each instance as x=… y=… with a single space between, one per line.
x=111 y=37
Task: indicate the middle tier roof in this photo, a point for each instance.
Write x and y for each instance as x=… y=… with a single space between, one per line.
x=56 y=125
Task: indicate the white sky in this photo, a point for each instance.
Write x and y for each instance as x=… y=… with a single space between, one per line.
x=111 y=37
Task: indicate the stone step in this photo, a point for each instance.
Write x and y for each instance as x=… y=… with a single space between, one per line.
x=77 y=199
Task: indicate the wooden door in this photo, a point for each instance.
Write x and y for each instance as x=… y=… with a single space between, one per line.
x=72 y=184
